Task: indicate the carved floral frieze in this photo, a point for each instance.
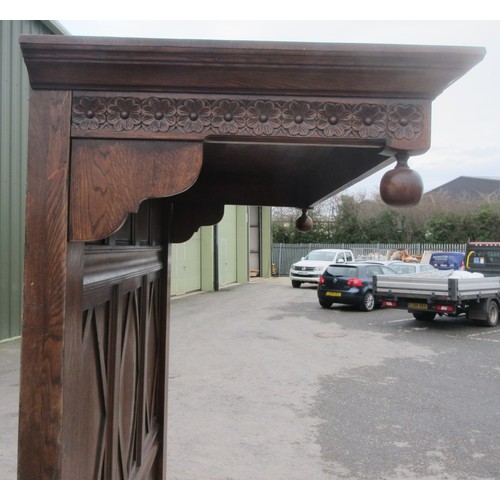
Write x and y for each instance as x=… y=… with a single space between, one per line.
x=197 y=116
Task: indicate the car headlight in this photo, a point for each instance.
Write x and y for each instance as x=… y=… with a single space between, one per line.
x=318 y=268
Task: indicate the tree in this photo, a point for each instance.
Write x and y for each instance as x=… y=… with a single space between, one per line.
x=447 y=228
x=485 y=223
x=347 y=226
x=360 y=219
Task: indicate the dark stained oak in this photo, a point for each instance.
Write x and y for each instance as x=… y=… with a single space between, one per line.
x=47 y=277
x=197 y=66
x=110 y=178
x=135 y=144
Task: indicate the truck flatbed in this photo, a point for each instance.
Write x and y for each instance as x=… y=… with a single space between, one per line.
x=444 y=287
x=429 y=294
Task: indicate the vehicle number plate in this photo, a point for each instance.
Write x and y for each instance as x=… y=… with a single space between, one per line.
x=418 y=306
x=333 y=294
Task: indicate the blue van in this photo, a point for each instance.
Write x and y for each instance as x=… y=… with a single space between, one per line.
x=447 y=261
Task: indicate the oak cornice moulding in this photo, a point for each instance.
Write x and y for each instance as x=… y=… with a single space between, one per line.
x=321 y=69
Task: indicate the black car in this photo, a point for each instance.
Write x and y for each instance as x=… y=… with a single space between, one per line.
x=350 y=284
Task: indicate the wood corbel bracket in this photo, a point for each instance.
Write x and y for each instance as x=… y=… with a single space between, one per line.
x=110 y=178
x=142 y=109
x=188 y=218
x=127 y=148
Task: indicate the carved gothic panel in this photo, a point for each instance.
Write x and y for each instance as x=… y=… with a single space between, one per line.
x=95 y=347
x=120 y=402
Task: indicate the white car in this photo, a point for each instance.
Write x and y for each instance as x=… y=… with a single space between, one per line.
x=312 y=266
x=410 y=267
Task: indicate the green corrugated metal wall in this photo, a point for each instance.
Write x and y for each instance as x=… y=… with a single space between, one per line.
x=13 y=153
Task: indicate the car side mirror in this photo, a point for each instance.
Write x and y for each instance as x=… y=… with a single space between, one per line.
x=340 y=261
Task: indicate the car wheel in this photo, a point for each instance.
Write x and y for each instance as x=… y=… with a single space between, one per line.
x=368 y=303
x=491 y=314
x=325 y=303
x=424 y=316
x=296 y=284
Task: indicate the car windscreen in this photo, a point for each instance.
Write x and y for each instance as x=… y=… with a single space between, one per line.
x=426 y=268
x=347 y=271
x=372 y=270
x=327 y=256
x=485 y=256
x=483 y=260
x=402 y=269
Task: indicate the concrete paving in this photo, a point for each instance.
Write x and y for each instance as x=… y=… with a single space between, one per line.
x=265 y=384
x=9 y=402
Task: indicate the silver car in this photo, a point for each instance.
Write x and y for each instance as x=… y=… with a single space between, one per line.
x=410 y=267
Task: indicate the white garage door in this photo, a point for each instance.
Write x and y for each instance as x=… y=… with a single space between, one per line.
x=186 y=266
x=227 y=246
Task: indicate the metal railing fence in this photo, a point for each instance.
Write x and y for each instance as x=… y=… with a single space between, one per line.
x=285 y=254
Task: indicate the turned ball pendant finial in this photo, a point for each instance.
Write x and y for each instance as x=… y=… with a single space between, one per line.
x=304 y=223
x=401 y=186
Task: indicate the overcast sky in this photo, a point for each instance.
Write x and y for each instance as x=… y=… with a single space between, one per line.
x=464 y=121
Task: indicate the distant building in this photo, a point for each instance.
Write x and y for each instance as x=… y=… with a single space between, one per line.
x=473 y=187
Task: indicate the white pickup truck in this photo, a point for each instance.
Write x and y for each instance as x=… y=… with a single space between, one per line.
x=449 y=293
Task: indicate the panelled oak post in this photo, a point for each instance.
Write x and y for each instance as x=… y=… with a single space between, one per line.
x=135 y=144
x=49 y=278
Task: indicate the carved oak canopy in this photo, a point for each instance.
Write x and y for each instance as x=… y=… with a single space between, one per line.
x=114 y=122
x=277 y=124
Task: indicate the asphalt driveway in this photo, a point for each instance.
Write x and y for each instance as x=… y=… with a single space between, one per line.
x=265 y=384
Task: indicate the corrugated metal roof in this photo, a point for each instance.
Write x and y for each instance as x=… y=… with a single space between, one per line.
x=471 y=186
x=55 y=27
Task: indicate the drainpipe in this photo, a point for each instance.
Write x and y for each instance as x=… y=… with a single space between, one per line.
x=216 y=258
